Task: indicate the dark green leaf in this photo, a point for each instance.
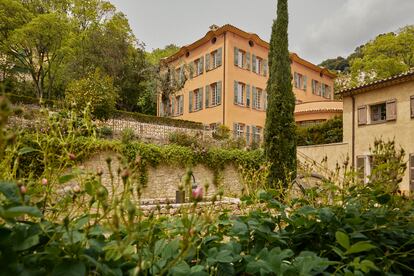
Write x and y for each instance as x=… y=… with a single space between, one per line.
x=22 y=210
x=26 y=150
x=10 y=191
x=65 y=178
x=69 y=268
x=27 y=243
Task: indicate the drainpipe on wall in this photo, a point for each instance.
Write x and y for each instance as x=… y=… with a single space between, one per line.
x=353 y=131
x=224 y=81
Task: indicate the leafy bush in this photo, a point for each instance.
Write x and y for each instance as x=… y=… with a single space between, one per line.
x=96 y=90
x=105 y=132
x=330 y=131
x=127 y=135
x=222 y=132
x=184 y=139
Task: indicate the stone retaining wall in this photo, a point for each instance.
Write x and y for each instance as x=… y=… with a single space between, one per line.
x=163 y=180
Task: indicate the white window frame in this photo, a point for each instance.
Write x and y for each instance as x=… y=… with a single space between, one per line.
x=241 y=56
x=240 y=130
x=241 y=87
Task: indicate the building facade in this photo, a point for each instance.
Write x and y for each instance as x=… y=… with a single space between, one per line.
x=379 y=110
x=227 y=83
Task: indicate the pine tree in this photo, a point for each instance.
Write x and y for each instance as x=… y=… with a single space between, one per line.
x=280 y=136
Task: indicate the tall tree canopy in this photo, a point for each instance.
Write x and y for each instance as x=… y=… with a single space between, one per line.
x=280 y=136
x=56 y=42
x=387 y=55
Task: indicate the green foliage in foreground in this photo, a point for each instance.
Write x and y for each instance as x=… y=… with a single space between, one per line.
x=327 y=132
x=64 y=222
x=355 y=236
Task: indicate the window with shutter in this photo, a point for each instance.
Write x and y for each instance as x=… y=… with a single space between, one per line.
x=254 y=96
x=200 y=100
x=219 y=84
x=305 y=82
x=219 y=57
x=236 y=56
x=328 y=92
x=362 y=115
x=173 y=106
x=236 y=91
x=181 y=105
x=391 y=110
x=235 y=126
x=411 y=172
x=248 y=61
x=208 y=62
x=296 y=80
x=247 y=95
x=259 y=99
x=254 y=65
x=378 y=112
x=360 y=166
x=208 y=96
x=192 y=69
x=241 y=57
x=201 y=66
x=248 y=135
x=190 y=101
x=412 y=106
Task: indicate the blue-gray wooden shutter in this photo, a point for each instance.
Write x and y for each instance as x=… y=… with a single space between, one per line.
x=219 y=57
x=235 y=92
x=305 y=82
x=248 y=135
x=265 y=67
x=313 y=87
x=247 y=95
x=173 y=106
x=181 y=104
x=201 y=65
x=265 y=100
x=190 y=101
x=254 y=133
x=236 y=56
x=201 y=91
x=254 y=97
x=192 y=69
x=248 y=61
x=208 y=62
x=207 y=95
x=295 y=80
x=219 y=89
x=235 y=130
x=254 y=69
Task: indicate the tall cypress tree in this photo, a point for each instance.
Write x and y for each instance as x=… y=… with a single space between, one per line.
x=280 y=135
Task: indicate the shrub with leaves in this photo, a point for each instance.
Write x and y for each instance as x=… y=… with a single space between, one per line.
x=388 y=166
x=96 y=90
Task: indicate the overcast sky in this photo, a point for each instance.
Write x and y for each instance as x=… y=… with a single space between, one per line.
x=318 y=29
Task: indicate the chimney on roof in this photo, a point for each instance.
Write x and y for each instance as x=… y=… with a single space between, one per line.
x=214 y=27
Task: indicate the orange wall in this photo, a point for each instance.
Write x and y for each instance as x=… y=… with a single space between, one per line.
x=234 y=113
